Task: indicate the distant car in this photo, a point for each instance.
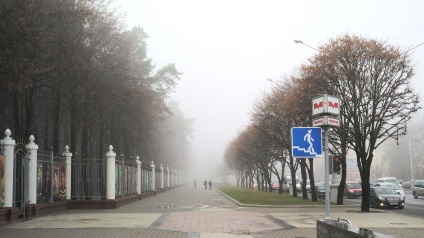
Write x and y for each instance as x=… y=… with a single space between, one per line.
x=381 y=197
x=408 y=183
x=289 y=184
x=308 y=186
x=418 y=188
x=353 y=189
x=320 y=190
x=275 y=185
x=395 y=186
x=388 y=180
x=372 y=182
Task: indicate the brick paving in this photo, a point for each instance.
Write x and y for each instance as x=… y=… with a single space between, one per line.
x=197 y=213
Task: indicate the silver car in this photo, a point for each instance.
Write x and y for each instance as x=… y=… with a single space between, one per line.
x=395 y=186
x=418 y=188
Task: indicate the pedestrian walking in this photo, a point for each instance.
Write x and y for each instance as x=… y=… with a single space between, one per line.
x=195 y=183
x=210 y=184
x=206 y=184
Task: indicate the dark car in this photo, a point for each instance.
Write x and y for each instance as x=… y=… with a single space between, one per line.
x=320 y=190
x=381 y=197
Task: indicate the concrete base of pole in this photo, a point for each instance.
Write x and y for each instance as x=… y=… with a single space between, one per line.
x=333 y=193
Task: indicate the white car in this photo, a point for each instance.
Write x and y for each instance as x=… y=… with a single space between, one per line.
x=395 y=187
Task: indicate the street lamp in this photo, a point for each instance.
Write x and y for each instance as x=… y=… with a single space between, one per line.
x=272 y=81
x=301 y=42
x=325 y=126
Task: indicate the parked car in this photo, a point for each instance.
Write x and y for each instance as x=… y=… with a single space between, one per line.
x=275 y=185
x=381 y=197
x=353 y=189
x=289 y=184
x=418 y=188
x=395 y=186
x=308 y=186
x=320 y=190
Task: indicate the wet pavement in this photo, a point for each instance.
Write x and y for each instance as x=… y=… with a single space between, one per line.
x=189 y=212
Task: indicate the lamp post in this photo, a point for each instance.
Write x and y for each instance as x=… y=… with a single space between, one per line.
x=272 y=81
x=301 y=42
x=409 y=135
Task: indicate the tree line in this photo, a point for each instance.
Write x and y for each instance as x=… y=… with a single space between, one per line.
x=71 y=73
x=372 y=80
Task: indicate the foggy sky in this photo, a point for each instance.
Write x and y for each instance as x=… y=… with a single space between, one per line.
x=227 y=49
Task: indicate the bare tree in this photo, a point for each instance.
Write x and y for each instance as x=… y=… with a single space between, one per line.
x=372 y=80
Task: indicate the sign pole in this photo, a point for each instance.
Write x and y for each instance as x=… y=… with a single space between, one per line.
x=327 y=180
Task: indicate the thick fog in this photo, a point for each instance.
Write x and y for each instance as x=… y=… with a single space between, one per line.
x=227 y=49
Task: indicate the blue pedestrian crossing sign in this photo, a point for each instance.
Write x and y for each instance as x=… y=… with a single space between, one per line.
x=306 y=142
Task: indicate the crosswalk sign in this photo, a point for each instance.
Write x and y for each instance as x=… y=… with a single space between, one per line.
x=306 y=142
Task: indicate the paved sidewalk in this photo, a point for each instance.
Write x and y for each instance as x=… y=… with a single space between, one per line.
x=190 y=213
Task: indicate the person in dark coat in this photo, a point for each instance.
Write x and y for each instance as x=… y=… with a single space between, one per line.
x=206 y=184
x=210 y=184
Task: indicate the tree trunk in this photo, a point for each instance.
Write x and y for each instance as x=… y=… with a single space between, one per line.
x=304 y=177
x=46 y=129
x=365 y=177
x=17 y=114
x=29 y=115
x=293 y=178
x=343 y=158
x=56 y=123
x=312 y=180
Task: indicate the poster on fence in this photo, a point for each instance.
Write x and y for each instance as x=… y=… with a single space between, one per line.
x=2 y=177
x=47 y=181
x=62 y=180
x=56 y=178
x=39 y=180
x=118 y=180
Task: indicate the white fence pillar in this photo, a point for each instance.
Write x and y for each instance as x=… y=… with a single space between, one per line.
x=110 y=160
x=138 y=175
x=153 y=179
x=68 y=156
x=167 y=177
x=172 y=178
x=161 y=176
x=32 y=148
x=9 y=148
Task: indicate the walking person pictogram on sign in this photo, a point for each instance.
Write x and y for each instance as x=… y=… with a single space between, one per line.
x=309 y=139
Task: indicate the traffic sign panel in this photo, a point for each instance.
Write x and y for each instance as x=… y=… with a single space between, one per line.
x=306 y=142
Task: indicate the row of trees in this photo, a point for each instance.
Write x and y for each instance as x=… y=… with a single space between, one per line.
x=372 y=80
x=72 y=73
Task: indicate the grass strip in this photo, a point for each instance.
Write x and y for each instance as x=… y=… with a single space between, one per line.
x=256 y=197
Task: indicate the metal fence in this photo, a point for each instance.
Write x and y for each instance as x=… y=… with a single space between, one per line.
x=88 y=179
x=51 y=177
x=125 y=177
x=145 y=180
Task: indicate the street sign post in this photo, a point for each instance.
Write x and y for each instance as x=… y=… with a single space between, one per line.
x=325 y=113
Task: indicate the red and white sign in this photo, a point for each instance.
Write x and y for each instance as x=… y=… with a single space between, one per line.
x=326 y=121
x=325 y=104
